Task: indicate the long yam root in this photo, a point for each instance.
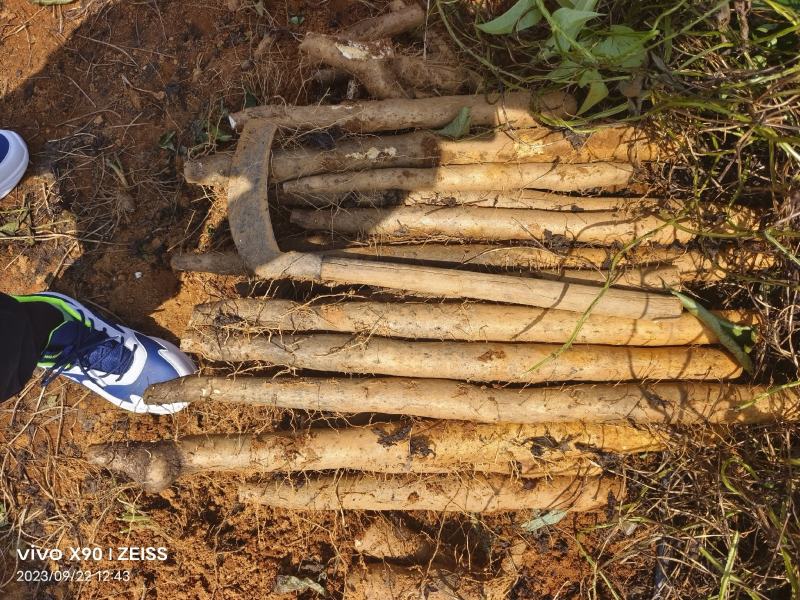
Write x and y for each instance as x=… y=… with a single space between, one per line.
x=405 y=447
x=469 y=361
x=205 y=173
x=544 y=176
x=465 y=222
x=472 y=322
x=514 y=109
x=669 y=403
x=443 y=493
x=387 y=25
x=427 y=149
x=691 y=265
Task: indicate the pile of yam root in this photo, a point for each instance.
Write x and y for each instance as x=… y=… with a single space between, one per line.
x=520 y=356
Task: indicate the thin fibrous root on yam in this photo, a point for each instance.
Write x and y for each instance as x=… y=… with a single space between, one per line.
x=470 y=223
x=427 y=149
x=401 y=447
x=473 y=322
x=514 y=109
x=442 y=493
x=463 y=178
x=392 y=582
x=671 y=402
x=469 y=361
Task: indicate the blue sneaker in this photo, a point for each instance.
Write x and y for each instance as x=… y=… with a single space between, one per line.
x=111 y=360
x=13 y=161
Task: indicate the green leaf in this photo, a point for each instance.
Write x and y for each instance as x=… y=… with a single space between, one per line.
x=584 y=4
x=458 y=127
x=549 y=518
x=737 y=339
x=218 y=135
x=598 y=90
x=9 y=228
x=567 y=72
x=167 y=141
x=622 y=47
x=296 y=20
x=522 y=15
x=567 y=23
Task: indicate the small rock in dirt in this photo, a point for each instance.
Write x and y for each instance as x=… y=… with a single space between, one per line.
x=246 y=65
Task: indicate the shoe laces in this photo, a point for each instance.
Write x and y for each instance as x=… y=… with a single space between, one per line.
x=89 y=349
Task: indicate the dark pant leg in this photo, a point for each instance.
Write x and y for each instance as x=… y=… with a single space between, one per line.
x=24 y=332
x=18 y=352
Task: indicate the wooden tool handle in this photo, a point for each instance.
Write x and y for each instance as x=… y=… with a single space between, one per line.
x=499 y=288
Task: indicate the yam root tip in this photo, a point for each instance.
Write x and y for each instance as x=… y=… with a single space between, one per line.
x=154 y=466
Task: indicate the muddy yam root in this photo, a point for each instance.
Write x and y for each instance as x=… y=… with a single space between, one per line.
x=463 y=178
x=369 y=62
x=392 y=582
x=672 y=402
x=426 y=149
x=649 y=277
x=466 y=222
x=514 y=109
x=442 y=493
x=576 y=262
x=472 y=322
x=469 y=361
x=404 y=447
x=508 y=257
x=528 y=199
x=398 y=20
x=383 y=73
x=385 y=539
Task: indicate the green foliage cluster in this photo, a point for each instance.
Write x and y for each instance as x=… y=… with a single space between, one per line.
x=580 y=54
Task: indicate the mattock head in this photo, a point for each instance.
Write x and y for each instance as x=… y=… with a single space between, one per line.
x=248 y=210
